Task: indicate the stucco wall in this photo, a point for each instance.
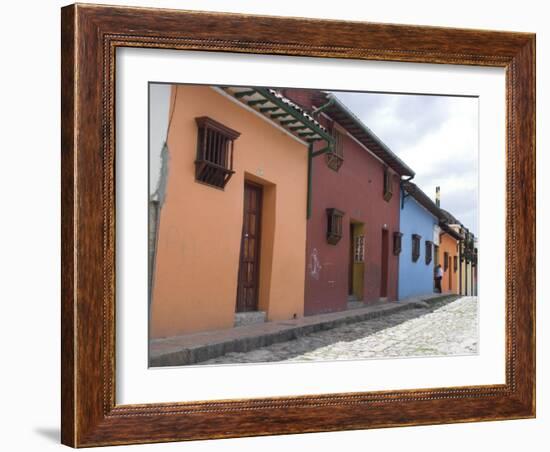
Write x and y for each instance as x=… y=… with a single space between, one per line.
x=415 y=278
x=200 y=226
x=357 y=190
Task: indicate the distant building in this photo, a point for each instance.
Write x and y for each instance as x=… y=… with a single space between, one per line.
x=468 y=263
x=449 y=252
x=466 y=277
x=419 y=220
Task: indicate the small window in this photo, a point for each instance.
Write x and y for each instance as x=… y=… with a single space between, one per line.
x=415 y=247
x=335 y=158
x=445 y=261
x=214 y=163
x=359 y=249
x=334 y=225
x=388 y=186
x=455 y=263
x=429 y=248
x=397 y=243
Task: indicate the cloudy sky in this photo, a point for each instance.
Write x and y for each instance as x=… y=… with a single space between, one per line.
x=437 y=136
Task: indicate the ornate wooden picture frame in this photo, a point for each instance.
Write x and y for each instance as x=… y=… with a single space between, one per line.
x=90 y=37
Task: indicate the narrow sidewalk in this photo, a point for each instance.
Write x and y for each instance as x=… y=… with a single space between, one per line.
x=197 y=347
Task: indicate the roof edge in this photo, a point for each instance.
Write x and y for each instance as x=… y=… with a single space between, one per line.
x=408 y=170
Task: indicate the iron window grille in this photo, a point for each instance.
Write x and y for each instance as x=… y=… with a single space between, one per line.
x=429 y=248
x=455 y=263
x=415 y=247
x=359 y=249
x=397 y=243
x=445 y=261
x=388 y=186
x=335 y=157
x=215 y=143
x=334 y=225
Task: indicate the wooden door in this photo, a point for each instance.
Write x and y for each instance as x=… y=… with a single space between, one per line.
x=249 y=265
x=384 y=265
x=450 y=268
x=350 y=260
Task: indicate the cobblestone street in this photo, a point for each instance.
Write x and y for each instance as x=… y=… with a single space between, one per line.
x=438 y=329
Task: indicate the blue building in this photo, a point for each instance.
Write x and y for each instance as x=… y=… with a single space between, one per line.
x=419 y=219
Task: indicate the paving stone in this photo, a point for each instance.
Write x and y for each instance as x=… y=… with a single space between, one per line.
x=441 y=329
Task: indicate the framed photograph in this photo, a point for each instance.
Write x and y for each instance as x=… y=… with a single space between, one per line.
x=282 y=225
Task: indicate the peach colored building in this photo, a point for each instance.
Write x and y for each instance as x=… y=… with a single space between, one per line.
x=465 y=243
x=231 y=230
x=448 y=258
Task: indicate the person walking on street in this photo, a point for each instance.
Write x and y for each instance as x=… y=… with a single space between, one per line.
x=438 y=278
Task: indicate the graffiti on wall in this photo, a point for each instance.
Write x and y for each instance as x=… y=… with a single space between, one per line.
x=314 y=266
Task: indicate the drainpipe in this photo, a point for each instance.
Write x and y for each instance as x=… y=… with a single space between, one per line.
x=310 y=155
x=317 y=111
x=403 y=194
x=309 y=178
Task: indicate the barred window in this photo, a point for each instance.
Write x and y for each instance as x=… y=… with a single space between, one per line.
x=397 y=243
x=334 y=225
x=359 y=249
x=335 y=157
x=214 y=163
x=429 y=248
x=445 y=261
x=415 y=247
x=455 y=263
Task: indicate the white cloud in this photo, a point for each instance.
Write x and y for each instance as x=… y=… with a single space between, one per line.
x=437 y=136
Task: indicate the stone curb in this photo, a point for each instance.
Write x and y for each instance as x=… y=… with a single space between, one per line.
x=204 y=352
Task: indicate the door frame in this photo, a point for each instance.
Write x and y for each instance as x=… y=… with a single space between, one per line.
x=356 y=270
x=384 y=262
x=260 y=190
x=351 y=259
